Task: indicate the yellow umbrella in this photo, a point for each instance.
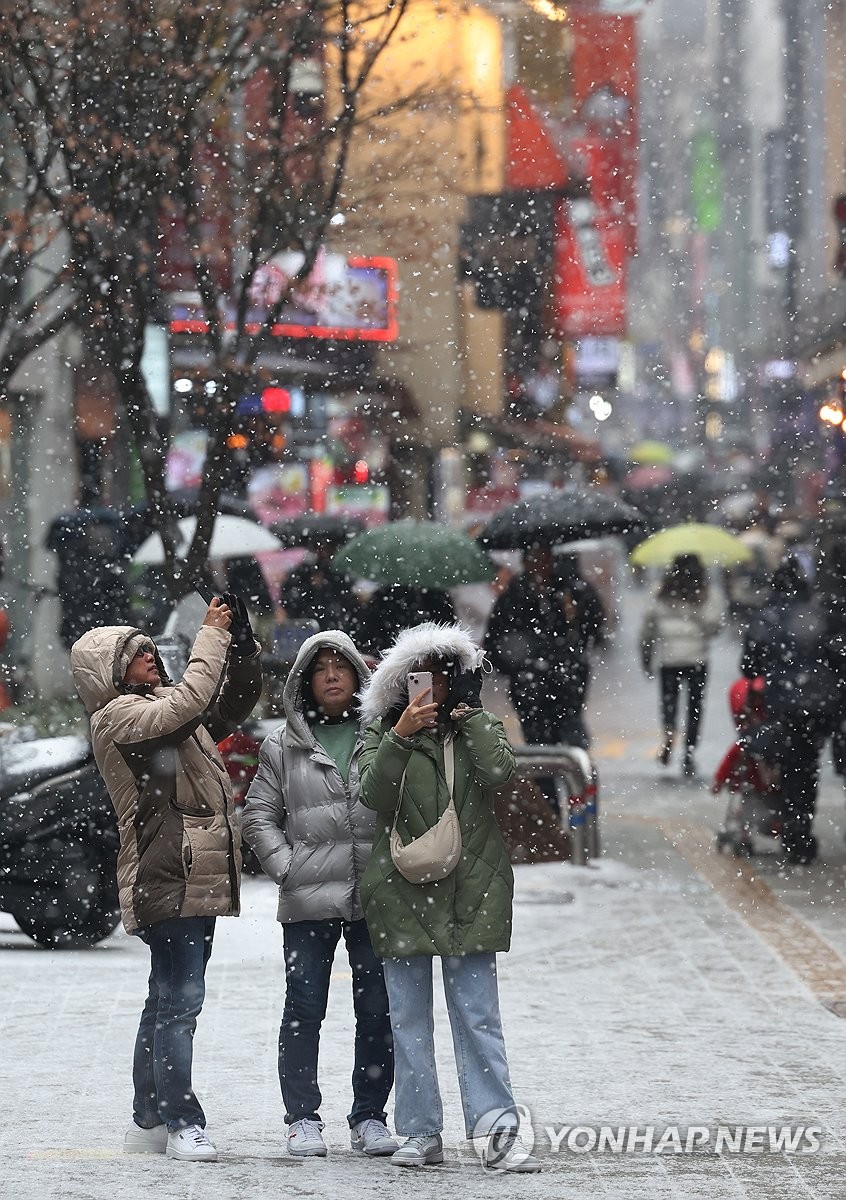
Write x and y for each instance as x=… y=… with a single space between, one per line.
x=650 y=453
x=714 y=546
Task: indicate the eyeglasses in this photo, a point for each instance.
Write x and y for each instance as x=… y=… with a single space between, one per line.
x=145 y=649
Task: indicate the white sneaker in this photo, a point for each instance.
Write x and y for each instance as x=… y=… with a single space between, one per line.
x=304 y=1139
x=420 y=1152
x=372 y=1137
x=145 y=1141
x=191 y=1144
x=506 y=1151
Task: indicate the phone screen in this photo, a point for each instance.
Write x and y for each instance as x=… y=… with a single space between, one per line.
x=418 y=683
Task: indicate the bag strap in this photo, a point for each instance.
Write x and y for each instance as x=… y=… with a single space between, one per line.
x=449 y=772
x=449 y=765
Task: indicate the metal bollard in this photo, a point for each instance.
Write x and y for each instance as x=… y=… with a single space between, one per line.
x=576 y=813
x=576 y=787
x=592 y=815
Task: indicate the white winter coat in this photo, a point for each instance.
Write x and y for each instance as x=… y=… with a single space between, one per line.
x=678 y=631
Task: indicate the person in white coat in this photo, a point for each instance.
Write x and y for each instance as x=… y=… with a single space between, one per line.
x=677 y=628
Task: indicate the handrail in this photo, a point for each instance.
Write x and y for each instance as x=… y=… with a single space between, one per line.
x=577 y=788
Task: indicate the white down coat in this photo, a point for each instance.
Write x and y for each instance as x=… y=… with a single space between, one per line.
x=679 y=630
x=306 y=826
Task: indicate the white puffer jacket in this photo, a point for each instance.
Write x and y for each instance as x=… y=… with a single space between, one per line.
x=307 y=827
x=679 y=630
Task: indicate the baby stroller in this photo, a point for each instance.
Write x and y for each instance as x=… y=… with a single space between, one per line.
x=748 y=772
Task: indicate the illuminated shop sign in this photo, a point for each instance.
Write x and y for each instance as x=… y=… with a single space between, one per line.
x=345 y=299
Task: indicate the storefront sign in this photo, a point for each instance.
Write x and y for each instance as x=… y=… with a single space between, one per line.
x=345 y=299
x=589 y=278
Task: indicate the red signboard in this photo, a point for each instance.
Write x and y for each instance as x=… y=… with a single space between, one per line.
x=589 y=273
x=604 y=67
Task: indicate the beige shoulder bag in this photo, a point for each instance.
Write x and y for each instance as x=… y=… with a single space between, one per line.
x=435 y=854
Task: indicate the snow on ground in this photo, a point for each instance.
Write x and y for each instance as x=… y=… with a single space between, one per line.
x=631 y=997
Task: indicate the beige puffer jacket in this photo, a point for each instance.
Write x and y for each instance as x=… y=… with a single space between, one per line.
x=179 y=843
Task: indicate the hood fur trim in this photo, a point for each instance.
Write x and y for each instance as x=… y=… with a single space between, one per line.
x=387 y=685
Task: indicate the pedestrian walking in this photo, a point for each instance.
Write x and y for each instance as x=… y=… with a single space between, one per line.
x=179 y=861
x=312 y=836
x=427 y=768
x=675 y=634
x=791 y=645
x=539 y=634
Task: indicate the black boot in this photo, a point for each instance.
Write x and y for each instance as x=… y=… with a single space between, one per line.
x=688 y=765
x=666 y=749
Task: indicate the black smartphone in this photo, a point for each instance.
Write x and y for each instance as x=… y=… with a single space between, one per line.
x=203 y=591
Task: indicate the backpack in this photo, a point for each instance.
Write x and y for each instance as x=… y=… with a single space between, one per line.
x=803 y=691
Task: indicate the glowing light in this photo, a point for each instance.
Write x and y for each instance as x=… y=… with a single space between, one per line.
x=549 y=9
x=832 y=414
x=600 y=407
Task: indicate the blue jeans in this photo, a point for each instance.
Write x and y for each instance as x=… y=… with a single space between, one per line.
x=309 y=954
x=164 y=1047
x=473 y=1005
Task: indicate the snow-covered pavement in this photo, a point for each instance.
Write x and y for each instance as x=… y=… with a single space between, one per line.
x=666 y=987
x=632 y=997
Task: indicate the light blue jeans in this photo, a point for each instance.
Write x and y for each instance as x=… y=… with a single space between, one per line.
x=472 y=1000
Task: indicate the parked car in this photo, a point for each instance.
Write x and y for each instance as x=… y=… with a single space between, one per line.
x=58 y=841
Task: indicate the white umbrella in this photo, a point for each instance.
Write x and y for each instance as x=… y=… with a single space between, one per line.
x=232 y=537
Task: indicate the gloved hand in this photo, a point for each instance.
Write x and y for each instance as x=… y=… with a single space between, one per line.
x=243 y=639
x=467 y=689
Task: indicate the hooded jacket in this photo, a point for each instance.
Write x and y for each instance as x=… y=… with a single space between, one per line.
x=179 y=843
x=469 y=912
x=306 y=826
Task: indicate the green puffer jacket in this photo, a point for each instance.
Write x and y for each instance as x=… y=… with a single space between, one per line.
x=469 y=912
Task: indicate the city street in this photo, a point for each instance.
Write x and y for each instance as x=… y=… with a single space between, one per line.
x=665 y=986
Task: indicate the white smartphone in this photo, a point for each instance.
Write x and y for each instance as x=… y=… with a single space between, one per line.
x=418 y=683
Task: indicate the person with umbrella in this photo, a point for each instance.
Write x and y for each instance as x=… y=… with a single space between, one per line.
x=538 y=635
x=317 y=590
x=415 y=562
x=677 y=627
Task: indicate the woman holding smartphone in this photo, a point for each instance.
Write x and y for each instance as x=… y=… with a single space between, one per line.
x=429 y=739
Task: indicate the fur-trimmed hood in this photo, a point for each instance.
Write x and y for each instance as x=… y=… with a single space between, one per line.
x=387 y=685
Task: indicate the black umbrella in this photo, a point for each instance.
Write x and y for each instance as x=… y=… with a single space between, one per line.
x=312 y=529
x=565 y=514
